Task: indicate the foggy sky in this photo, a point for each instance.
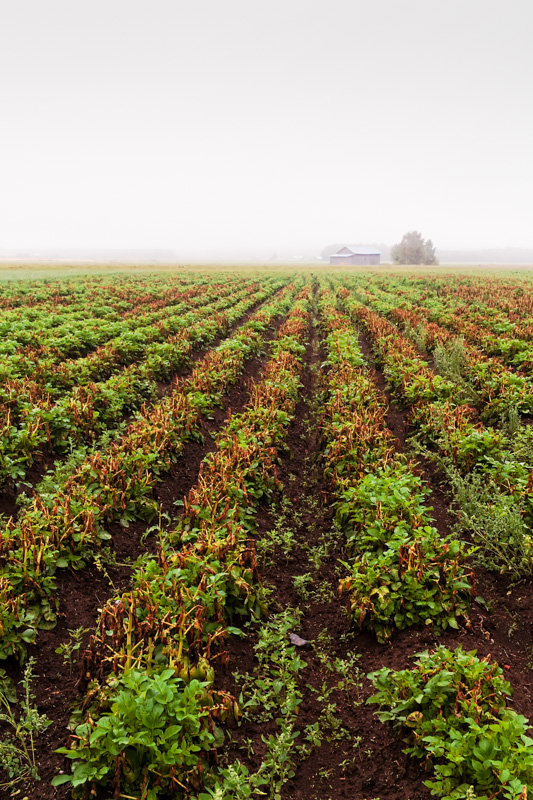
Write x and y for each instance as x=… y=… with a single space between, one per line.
x=212 y=126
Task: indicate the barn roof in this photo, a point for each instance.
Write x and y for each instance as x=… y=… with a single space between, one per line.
x=359 y=250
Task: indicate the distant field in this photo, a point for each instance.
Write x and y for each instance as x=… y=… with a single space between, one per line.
x=44 y=271
x=235 y=504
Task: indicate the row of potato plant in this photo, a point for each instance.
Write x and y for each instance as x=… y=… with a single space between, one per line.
x=52 y=381
x=92 y=409
x=485 y=381
x=129 y=344
x=27 y=342
x=498 y=311
x=401 y=571
x=452 y=706
x=452 y=709
x=513 y=298
x=436 y=322
x=65 y=521
x=488 y=328
x=490 y=471
x=149 y=723
x=65 y=295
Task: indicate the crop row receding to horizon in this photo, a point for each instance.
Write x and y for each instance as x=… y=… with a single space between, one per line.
x=266 y=536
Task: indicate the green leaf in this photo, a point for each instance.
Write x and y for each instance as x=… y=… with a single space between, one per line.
x=59 y=780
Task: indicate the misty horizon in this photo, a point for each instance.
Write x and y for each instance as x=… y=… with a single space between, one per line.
x=131 y=256
x=216 y=130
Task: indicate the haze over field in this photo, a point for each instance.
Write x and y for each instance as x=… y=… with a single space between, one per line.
x=212 y=130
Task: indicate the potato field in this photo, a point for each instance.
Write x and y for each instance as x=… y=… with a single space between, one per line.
x=266 y=537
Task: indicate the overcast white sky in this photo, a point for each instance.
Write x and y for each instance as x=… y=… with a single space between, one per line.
x=215 y=126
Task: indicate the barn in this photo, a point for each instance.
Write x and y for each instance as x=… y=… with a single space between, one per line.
x=356 y=254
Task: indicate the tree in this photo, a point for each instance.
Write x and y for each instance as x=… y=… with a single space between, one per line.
x=329 y=250
x=414 y=250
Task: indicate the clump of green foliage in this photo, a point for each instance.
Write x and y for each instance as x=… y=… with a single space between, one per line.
x=496 y=523
x=155 y=738
x=489 y=473
x=404 y=573
x=453 y=708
